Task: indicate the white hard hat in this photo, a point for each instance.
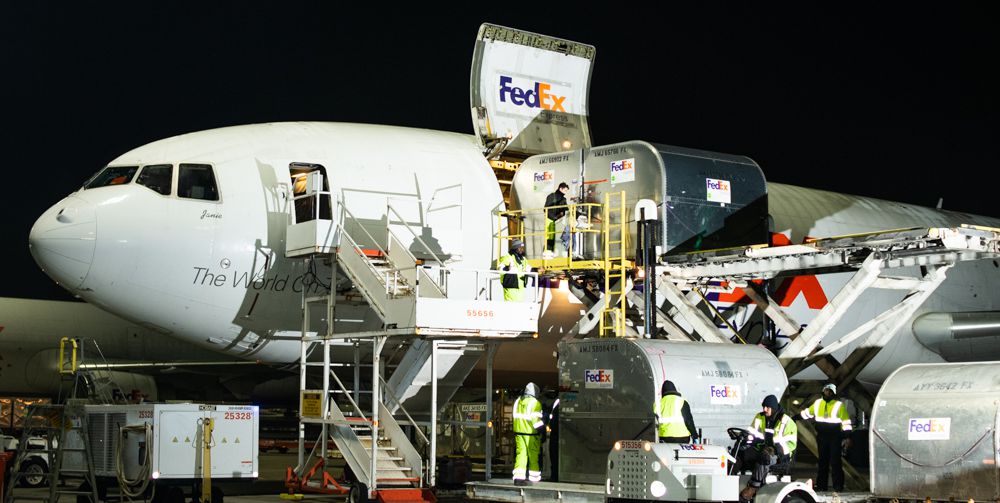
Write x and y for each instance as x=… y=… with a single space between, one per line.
x=832 y=387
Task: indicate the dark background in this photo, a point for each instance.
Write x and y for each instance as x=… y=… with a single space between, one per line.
x=892 y=102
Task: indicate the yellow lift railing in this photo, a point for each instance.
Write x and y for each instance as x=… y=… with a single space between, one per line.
x=612 y=322
x=67 y=361
x=607 y=222
x=528 y=225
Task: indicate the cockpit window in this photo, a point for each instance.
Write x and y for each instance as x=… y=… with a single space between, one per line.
x=196 y=181
x=157 y=177
x=112 y=175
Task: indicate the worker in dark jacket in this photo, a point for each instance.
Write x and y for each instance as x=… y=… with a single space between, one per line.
x=833 y=425
x=774 y=437
x=674 y=422
x=555 y=208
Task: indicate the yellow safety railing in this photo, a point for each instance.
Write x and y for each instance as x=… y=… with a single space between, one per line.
x=607 y=220
x=583 y=220
x=612 y=323
x=67 y=367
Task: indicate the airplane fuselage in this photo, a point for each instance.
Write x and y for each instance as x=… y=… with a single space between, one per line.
x=213 y=270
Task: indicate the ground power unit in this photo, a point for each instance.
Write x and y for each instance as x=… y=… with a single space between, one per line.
x=162 y=447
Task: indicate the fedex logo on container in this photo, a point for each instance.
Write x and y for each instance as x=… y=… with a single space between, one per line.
x=544 y=176
x=718 y=191
x=724 y=394
x=536 y=96
x=929 y=428
x=599 y=378
x=623 y=171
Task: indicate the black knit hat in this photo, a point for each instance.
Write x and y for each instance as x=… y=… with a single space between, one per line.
x=770 y=401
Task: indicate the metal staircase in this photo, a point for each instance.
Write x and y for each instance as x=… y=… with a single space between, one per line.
x=416 y=299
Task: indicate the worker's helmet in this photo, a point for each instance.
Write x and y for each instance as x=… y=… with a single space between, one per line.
x=832 y=387
x=515 y=244
x=531 y=389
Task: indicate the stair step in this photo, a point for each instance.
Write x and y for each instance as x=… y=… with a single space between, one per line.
x=73 y=492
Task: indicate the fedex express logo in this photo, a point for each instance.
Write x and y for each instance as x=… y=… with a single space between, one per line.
x=623 y=171
x=929 y=428
x=718 y=191
x=724 y=394
x=544 y=176
x=537 y=95
x=599 y=378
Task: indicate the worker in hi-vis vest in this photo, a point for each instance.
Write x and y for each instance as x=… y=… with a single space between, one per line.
x=773 y=436
x=528 y=426
x=674 y=423
x=513 y=282
x=833 y=424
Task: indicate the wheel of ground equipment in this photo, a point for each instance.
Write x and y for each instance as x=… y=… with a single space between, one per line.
x=358 y=493
x=797 y=497
x=34 y=472
x=173 y=494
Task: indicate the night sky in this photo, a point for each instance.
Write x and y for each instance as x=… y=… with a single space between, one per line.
x=898 y=104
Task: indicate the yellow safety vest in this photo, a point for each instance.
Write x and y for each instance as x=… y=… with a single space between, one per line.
x=669 y=418
x=832 y=412
x=527 y=414
x=786 y=434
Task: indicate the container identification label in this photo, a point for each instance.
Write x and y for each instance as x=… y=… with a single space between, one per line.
x=719 y=191
x=929 y=428
x=599 y=378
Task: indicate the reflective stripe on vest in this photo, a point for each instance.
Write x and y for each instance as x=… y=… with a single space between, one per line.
x=527 y=414
x=832 y=412
x=670 y=418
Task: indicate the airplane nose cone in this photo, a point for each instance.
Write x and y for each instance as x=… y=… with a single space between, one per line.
x=62 y=241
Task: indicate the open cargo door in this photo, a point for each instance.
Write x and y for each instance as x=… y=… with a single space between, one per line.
x=529 y=92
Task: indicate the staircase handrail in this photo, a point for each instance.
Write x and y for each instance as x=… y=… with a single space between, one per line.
x=388 y=224
x=347 y=214
x=343 y=389
x=388 y=391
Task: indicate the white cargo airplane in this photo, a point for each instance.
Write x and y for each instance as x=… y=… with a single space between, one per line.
x=186 y=235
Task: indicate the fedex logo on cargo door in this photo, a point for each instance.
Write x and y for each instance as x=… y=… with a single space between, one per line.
x=599 y=378
x=929 y=428
x=724 y=394
x=537 y=95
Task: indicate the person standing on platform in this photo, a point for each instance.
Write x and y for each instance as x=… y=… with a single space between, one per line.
x=528 y=427
x=516 y=264
x=555 y=208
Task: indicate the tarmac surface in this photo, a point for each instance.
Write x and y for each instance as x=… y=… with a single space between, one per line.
x=273 y=465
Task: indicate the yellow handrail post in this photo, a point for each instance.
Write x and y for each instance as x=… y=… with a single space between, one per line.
x=63 y=368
